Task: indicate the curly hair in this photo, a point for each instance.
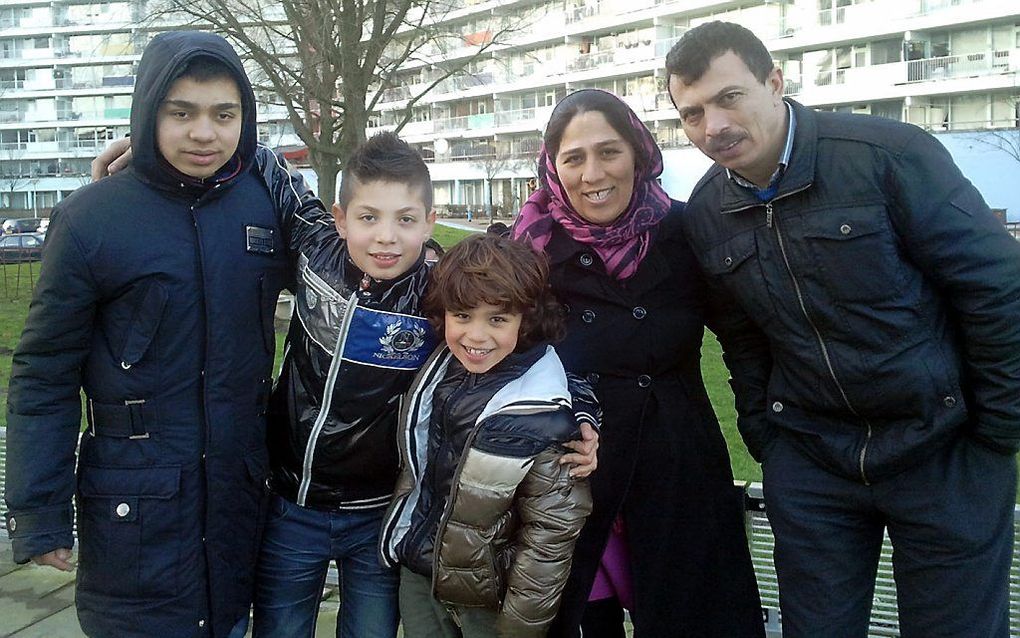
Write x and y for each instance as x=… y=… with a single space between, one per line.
x=489 y=269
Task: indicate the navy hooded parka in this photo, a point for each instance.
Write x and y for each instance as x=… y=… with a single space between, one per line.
x=156 y=296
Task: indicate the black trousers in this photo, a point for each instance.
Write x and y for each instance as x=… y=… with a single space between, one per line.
x=950 y=520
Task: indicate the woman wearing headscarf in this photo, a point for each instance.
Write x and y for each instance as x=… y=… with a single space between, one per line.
x=666 y=539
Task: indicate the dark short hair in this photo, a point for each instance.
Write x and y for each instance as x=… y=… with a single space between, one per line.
x=498 y=228
x=489 y=269
x=587 y=101
x=691 y=56
x=204 y=68
x=385 y=158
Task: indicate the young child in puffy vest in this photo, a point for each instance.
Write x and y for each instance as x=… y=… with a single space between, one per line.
x=484 y=518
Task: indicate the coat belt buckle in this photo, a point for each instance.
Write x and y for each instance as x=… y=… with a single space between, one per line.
x=136 y=423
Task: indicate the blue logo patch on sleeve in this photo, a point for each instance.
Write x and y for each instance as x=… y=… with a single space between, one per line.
x=388 y=340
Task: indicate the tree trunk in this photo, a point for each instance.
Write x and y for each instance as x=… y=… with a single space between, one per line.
x=326 y=168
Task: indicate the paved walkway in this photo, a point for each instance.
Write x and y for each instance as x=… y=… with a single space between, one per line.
x=38 y=602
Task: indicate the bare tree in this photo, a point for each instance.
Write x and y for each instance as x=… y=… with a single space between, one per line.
x=500 y=161
x=1006 y=140
x=13 y=177
x=332 y=62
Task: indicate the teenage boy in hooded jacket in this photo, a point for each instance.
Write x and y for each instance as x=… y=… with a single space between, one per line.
x=156 y=296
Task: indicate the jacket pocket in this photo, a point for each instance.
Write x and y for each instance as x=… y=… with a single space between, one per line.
x=130 y=526
x=735 y=264
x=856 y=253
x=144 y=324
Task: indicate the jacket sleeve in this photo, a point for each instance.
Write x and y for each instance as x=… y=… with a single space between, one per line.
x=586 y=405
x=304 y=219
x=43 y=401
x=552 y=508
x=958 y=244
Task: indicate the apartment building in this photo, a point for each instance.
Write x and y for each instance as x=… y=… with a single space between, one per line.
x=66 y=76
x=951 y=66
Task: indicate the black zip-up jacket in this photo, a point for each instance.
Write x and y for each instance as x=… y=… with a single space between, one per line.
x=871 y=307
x=350 y=354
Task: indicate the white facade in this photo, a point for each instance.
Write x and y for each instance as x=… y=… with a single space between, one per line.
x=946 y=65
x=952 y=66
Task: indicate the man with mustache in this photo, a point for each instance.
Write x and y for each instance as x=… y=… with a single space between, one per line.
x=867 y=302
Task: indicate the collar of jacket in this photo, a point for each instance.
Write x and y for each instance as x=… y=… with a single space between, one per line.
x=514 y=365
x=378 y=289
x=653 y=269
x=799 y=174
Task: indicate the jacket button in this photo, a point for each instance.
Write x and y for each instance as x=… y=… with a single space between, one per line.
x=644 y=381
x=949 y=402
x=640 y=313
x=845 y=229
x=777 y=407
x=123 y=510
x=587 y=260
x=588 y=316
x=728 y=261
x=592 y=378
x=201 y=623
x=12 y=524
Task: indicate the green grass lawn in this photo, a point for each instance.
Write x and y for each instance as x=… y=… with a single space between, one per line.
x=448 y=236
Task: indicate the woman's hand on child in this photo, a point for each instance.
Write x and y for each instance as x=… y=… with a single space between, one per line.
x=584 y=458
x=114 y=157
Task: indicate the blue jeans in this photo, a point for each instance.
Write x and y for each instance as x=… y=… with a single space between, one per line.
x=297 y=547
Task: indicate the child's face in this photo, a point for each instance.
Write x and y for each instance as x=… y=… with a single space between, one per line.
x=385 y=225
x=482 y=336
x=199 y=124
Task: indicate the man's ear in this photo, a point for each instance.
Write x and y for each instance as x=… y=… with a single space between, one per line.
x=776 y=83
x=340 y=219
x=430 y=219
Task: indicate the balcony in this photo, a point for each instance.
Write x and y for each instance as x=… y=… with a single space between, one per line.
x=966 y=71
x=807 y=29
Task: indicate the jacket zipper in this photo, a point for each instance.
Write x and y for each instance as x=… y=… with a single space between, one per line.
x=327 y=399
x=818 y=334
x=454 y=490
x=408 y=421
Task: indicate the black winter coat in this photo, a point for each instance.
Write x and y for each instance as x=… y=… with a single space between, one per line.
x=872 y=307
x=663 y=461
x=156 y=297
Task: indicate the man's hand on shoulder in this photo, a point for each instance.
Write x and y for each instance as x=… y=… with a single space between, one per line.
x=114 y=157
x=59 y=558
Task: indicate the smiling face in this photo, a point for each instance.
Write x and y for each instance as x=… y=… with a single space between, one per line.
x=732 y=117
x=385 y=225
x=482 y=336
x=596 y=167
x=198 y=125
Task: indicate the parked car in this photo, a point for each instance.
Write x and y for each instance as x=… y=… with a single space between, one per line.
x=26 y=225
x=20 y=248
